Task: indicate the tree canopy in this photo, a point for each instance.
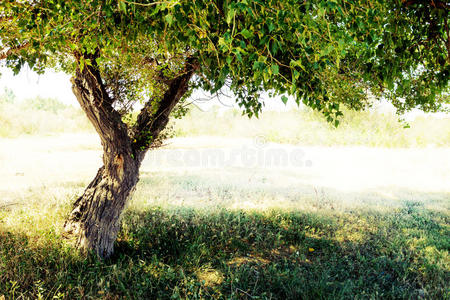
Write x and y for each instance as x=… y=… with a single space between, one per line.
x=323 y=53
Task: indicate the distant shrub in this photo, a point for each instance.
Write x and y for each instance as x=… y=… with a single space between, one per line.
x=39 y=116
x=7 y=96
x=372 y=128
x=46 y=104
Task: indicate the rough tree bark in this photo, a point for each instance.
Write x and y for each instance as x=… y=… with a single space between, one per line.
x=95 y=217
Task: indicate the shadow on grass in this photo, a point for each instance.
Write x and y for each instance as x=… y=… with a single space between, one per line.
x=191 y=253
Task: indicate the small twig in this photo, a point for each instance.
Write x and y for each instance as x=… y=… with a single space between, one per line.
x=448 y=39
x=150 y=4
x=4 y=53
x=238 y=289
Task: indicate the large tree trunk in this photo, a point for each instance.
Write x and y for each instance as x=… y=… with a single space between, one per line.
x=95 y=217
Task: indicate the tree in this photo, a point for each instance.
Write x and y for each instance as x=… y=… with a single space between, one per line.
x=326 y=54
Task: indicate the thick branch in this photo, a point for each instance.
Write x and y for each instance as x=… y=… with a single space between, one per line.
x=91 y=93
x=150 y=122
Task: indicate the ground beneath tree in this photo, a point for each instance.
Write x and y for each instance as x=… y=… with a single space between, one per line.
x=299 y=222
x=237 y=172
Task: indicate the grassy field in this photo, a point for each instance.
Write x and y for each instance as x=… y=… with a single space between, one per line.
x=358 y=223
x=367 y=218
x=187 y=253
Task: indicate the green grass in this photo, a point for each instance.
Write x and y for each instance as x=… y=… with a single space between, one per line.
x=164 y=251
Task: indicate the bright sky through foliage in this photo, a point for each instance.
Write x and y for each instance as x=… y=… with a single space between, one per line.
x=28 y=84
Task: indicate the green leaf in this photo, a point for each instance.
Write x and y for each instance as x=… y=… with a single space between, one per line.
x=298 y=63
x=81 y=64
x=275 y=69
x=238 y=56
x=284 y=99
x=169 y=19
x=271 y=27
x=258 y=65
x=122 y=6
x=246 y=33
x=230 y=16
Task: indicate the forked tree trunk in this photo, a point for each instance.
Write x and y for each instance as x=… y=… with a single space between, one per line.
x=95 y=217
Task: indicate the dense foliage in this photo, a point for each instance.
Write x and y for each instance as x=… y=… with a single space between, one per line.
x=323 y=53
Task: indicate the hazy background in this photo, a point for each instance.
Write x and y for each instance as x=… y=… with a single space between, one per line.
x=289 y=152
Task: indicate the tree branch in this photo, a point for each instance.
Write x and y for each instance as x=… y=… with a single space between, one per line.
x=5 y=52
x=91 y=93
x=447 y=43
x=149 y=122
